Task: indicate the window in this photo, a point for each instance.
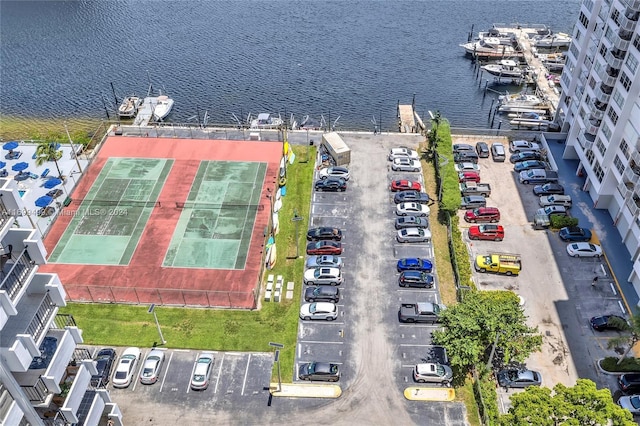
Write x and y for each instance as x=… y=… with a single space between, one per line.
x=619 y=166
x=590 y=156
x=618 y=98
x=613 y=116
x=589 y=5
x=608 y=34
x=632 y=63
x=636 y=41
x=592 y=83
x=598 y=171
x=584 y=20
x=615 y=16
x=574 y=50
x=603 y=50
x=624 y=147
x=601 y=147
x=606 y=130
x=5 y=401
x=625 y=81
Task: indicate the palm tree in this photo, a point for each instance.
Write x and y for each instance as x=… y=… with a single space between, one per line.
x=632 y=336
x=47 y=151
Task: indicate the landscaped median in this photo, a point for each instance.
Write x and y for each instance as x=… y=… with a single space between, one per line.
x=305 y=390
x=430 y=394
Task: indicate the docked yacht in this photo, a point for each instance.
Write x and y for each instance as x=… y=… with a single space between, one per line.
x=520 y=100
x=488 y=46
x=163 y=108
x=553 y=40
x=129 y=106
x=266 y=121
x=504 y=68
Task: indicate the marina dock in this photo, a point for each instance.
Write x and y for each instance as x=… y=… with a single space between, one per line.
x=145 y=112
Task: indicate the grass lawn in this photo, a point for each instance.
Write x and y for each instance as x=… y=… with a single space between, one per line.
x=49 y=129
x=465 y=395
x=223 y=330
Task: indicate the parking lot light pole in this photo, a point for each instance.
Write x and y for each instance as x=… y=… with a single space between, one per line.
x=297 y=220
x=276 y=359
x=153 y=311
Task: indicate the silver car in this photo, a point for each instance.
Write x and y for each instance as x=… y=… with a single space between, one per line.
x=151 y=367
x=414 y=235
x=202 y=371
x=327 y=261
x=335 y=171
x=406 y=165
x=432 y=373
x=412 y=209
x=319 y=311
x=402 y=152
x=321 y=275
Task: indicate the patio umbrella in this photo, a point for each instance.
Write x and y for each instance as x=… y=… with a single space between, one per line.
x=44 y=201
x=52 y=183
x=19 y=167
x=9 y=146
x=2 y=164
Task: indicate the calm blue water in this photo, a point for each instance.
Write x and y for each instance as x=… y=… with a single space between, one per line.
x=352 y=59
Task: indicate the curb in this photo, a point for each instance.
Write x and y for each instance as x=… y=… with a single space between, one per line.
x=603 y=371
x=430 y=394
x=303 y=390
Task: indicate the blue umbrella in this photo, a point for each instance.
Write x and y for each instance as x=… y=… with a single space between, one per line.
x=44 y=201
x=18 y=167
x=2 y=164
x=52 y=183
x=10 y=145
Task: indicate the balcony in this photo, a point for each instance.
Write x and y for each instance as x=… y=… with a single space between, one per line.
x=632 y=173
x=633 y=5
x=15 y=272
x=6 y=220
x=633 y=204
x=586 y=140
x=625 y=188
x=620 y=40
x=79 y=386
x=602 y=94
x=96 y=408
x=592 y=127
x=608 y=75
x=613 y=60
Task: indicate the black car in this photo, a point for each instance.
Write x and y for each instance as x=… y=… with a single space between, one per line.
x=548 y=189
x=411 y=222
x=465 y=157
x=415 y=279
x=105 y=359
x=575 y=234
x=526 y=156
x=629 y=382
x=609 y=322
x=462 y=147
x=324 y=233
x=322 y=293
x=482 y=149
x=331 y=184
x=324 y=371
x=414 y=196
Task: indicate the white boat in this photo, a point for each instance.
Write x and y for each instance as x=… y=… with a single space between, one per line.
x=266 y=121
x=163 y=108
x=129 y=106
x=520 y=100
x=488 y=46
x=553 y=61
x=553 y=40
x=507 y=38
x=504 y=68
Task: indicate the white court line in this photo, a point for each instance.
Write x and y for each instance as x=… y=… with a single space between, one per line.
x=193 y=369
x=219 y=373
x=321 y=342
x=246 y=371
x=166 y=371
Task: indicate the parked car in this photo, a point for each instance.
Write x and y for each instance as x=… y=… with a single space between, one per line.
x=465 y=157
x=554 y=210
x=464 y=177
x=526 y=155
x=584 y=250
x=415 y=279
x=104 y=361
x=321 y=275
x=482 y=149
x=414 y=264
x=326 y=260
x=403 y=152
x=462 y=147
x=432 y=373
x=497 y=152
x=514 y=378
x=555 y=200
x=324 y=233
x=631 y=403
x=403 y=185
x=411 y=222
x=530 y=164
x=548 y=189
x=467 y=167
x=319 y=371
x=629 y=382
x=334 y=171
x=486 y=232
x=482 y=214
x=521 y=145
x=473 y=202
x=413 y=235
x=608 y=322
x=319 y=311
x=151 y=367
x=126 y=368
x=322 y=293
x=331 y=185
x=415 y=196
x=202 y=371
x=574 y=233
x=406 y=165
x=412 y=209
x=324 y=247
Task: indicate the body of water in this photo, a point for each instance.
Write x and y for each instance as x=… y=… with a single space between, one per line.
x=349 y=59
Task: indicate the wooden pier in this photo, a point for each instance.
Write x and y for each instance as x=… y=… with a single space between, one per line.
x=145 y=112
x=406 y=120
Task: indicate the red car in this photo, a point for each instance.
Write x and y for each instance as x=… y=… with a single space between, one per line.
x=404 y=185
x=486 y=232
x=324 y=247
x=482 y=214
x=468 y=177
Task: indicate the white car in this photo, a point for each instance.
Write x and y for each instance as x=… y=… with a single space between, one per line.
x=335 y=171
x=584 y=250
x=151 y=367
x=412 y=209
x=413 y=235
x=631 y=403
x=466 y=167
x=321 y=275
x=202 y=371
x=402 y=152
x=406 y=165
x=432 y=373
x=555 y=200
x=519 y=146
x=126 y=368
x=326 y=260
x=319 y=311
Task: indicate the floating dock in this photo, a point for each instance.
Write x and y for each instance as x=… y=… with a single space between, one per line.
x=145 y=112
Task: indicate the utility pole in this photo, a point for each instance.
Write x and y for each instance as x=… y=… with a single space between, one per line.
x=152 y=311
x=276 y=359
x=297 y=220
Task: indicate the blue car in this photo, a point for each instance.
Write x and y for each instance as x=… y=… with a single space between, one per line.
x=575 y=234
x=414 y=264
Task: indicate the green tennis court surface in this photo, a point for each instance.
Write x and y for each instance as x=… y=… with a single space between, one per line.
x=215 y=226
x=107 y=226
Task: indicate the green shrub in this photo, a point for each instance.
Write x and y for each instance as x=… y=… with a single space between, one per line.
x=447 y=175
x=486 y=397
x=627 y=365
x=558 y=222
x=461 y=252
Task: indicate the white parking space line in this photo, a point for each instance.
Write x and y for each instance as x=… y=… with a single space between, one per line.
x=416 y=346
x=321 y=322
x=193 y=369
x=166 y=370
x=134 y=379
x=419 y=325
x=420 y=290
x=407 y=366
x=320 y=342
x=246 y=371
x=219 y=373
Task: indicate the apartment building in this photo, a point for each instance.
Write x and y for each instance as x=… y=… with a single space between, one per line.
x=600 y=110
x=45 y=379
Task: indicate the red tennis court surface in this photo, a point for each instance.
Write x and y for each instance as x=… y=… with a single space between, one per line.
x=144 y=280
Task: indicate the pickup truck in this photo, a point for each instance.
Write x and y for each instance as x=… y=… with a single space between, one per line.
x=420 y=312
x=475 y=188
x=538 y=176
x=499 y=263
